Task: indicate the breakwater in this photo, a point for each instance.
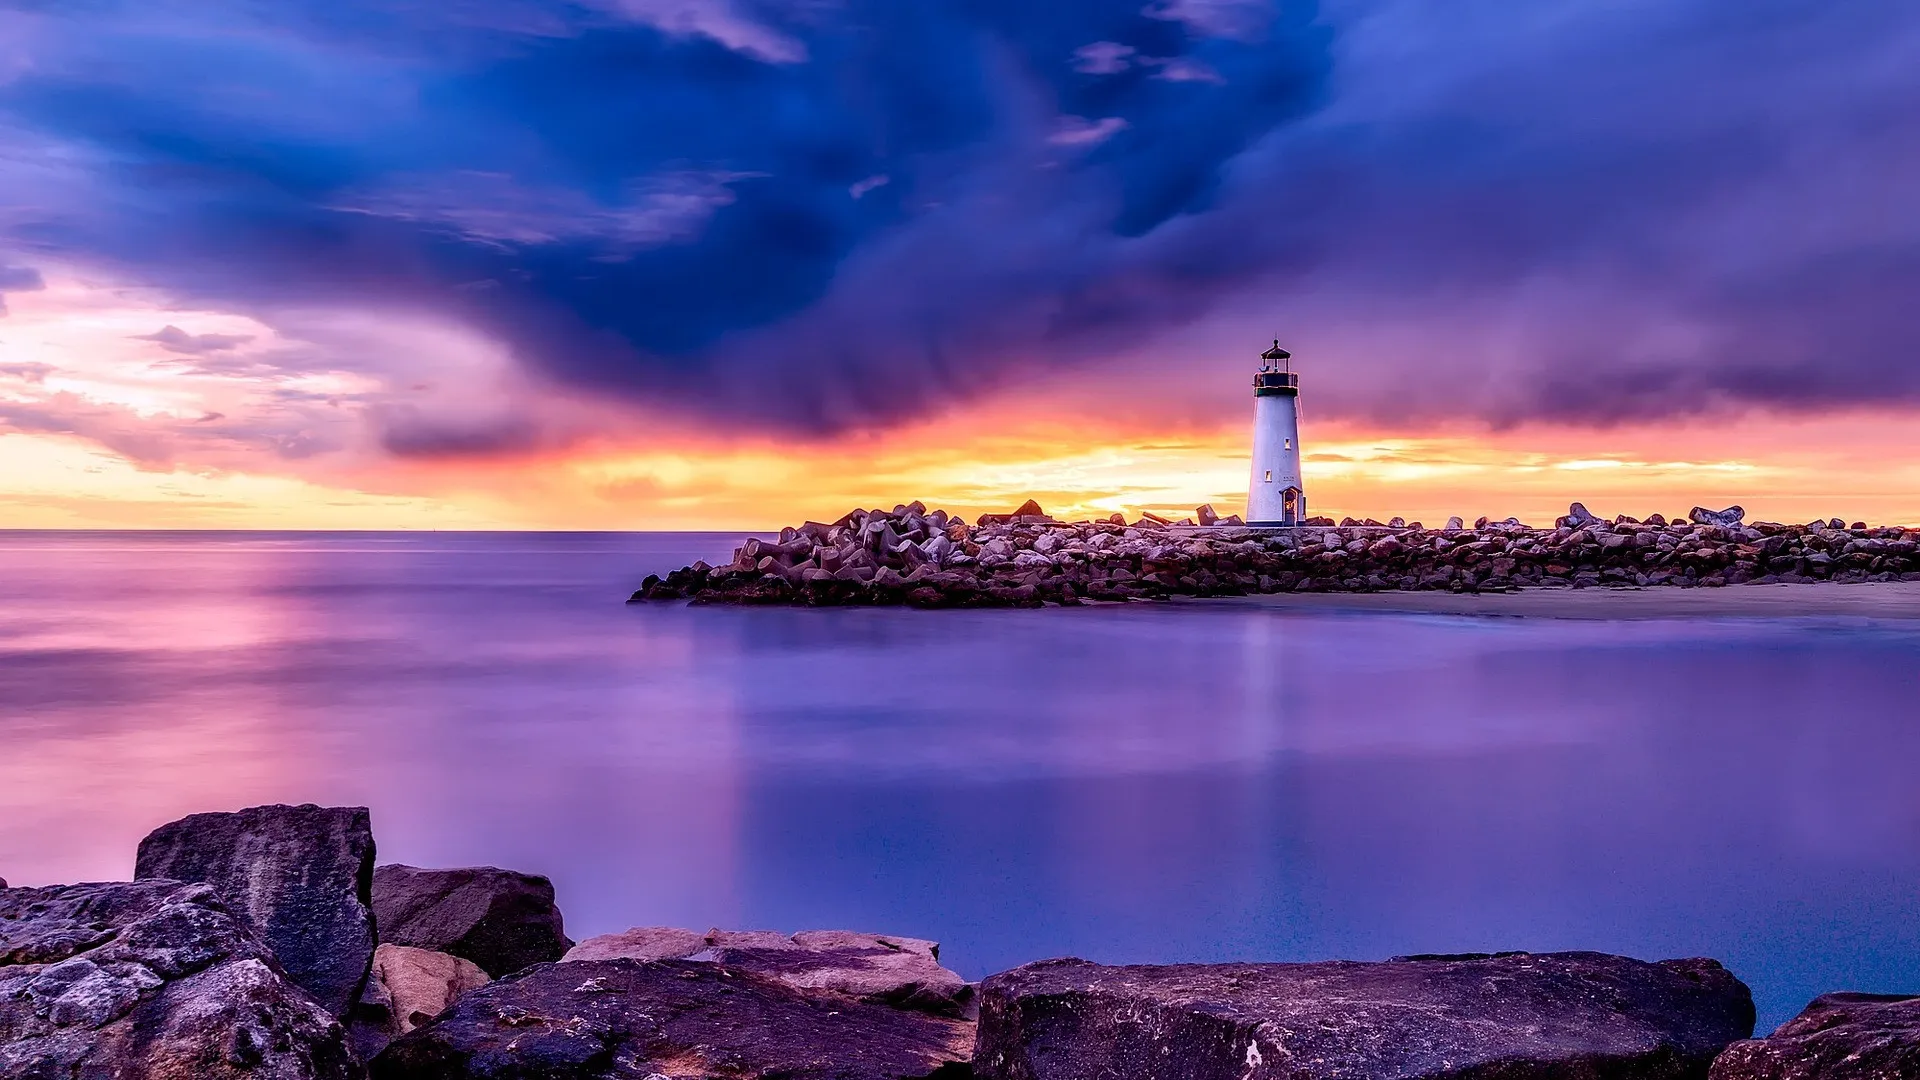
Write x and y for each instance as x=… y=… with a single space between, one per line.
x=914 y=556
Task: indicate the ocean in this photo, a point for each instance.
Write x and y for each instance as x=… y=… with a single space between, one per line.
x=1185 y=782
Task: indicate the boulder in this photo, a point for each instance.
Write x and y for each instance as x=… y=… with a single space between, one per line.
x=1836 y=1037
x=1205 y=514
x=640 y=943
x=152 y=980
x=1028 y=511
x=406 y=988
x=499 y=919
x=899 y=971
x=1577 y=516
x=1507 y=1017
x=607 y=1019
x=1454 y=524
x=1731 y=516
x=302 y=877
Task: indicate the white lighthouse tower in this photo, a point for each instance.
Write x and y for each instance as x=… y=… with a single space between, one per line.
x=1277 y=496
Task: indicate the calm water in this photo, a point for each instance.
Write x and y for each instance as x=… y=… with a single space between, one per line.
x=1141 y=784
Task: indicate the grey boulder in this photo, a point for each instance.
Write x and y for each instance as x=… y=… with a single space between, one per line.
x=301 y=876
x=1836 y=1037
x=632 y=1019
x=499 y=919
x=1511 y=1017
x=151 y=980
x=1731 y=516
x=899 y=971
x=406 y=988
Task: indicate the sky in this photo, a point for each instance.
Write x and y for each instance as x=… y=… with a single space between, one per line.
x=739 y=263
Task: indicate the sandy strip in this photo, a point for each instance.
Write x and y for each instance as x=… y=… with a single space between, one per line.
x=1872 y=600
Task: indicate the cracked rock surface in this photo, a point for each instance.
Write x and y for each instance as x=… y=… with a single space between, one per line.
x=1836 y=1037
x=883 y=969
x=1553 y=1016
x=631 y=1019
x=151 y=980
x=302 y=877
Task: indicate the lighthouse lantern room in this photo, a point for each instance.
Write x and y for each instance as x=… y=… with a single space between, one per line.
x=1276 y=496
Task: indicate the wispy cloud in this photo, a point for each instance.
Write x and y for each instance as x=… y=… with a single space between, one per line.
x=719 y=20
x=1102 y=58
x=1080 y=131
x=495 y=208
x=175 y=340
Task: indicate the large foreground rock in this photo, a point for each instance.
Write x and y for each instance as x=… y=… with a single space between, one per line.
x=1836 y=1037
x=499 y=919
x=630 y=1019
x=1568 y=1016
x=406 y=988
x=301 y=875
x=898 y=971
x=151 y=980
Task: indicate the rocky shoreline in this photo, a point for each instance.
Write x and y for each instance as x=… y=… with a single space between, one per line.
x=266 y=944
x=923 y=558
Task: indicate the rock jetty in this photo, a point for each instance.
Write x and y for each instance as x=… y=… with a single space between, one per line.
x=911 y=555
x=165 y=979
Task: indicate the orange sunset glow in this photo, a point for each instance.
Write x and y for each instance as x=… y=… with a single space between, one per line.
x=158 y=441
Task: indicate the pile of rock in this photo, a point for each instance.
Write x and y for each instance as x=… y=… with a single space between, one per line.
x=267 y=944
x=1025 y=559
x=280 y=967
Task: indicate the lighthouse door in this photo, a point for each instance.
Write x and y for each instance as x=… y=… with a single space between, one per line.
x=1290 y=506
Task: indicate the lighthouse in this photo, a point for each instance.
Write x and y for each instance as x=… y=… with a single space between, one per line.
x=1277 y=496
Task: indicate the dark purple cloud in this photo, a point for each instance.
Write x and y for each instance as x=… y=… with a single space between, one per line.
x=818 y=215
x=175 y=340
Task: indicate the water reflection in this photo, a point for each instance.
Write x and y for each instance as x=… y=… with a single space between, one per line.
x=1139 y=784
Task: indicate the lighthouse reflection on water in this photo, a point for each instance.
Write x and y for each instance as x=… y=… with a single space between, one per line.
x=1276 y=494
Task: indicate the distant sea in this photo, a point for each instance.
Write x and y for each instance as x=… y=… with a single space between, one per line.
x=1152 y=783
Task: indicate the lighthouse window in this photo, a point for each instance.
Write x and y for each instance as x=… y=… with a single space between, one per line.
x=1288 y=442
x=1269 y=476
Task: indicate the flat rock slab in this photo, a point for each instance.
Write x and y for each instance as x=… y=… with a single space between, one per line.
x=1836 y=1037
x=1567 y=1016
x=632 y=1019
x=301 y=875
x=406 y=988
x=151 y=980
x=501 y=920
x=900 y=971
